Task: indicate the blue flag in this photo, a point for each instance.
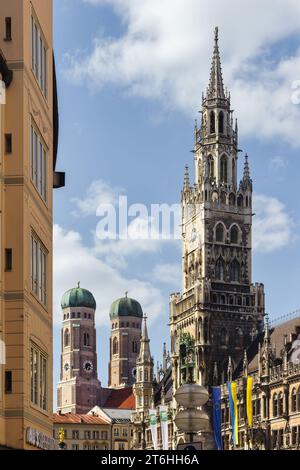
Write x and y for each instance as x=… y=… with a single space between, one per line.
x=216 y=394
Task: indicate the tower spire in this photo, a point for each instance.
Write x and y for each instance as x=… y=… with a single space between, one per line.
x=216 y=87
x=145 y=354
x=186 y=184
x=246 y=176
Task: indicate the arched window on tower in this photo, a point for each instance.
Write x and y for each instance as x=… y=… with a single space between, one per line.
x=231 y=199
x=211 y=166
x=134 y=347
x=240 y=200
x=220 y=233
x=294 y=400
x=221 y=122
x=86 y=339
x=212 y=123
x=67 y=338
x=233 y=171
x=223 y=169
x=235 y=271
x=205 y=330
x=115 y=346
x=199 y=330
x=234 y=235
x=220 y=269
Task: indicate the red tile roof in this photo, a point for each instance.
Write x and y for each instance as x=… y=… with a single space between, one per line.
x=71 y=418
x=122 y=399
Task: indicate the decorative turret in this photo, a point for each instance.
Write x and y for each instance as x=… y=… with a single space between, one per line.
x=144 y=355
x=186 y=184
x=246 y=183
x=215 y=88
x=143 y=388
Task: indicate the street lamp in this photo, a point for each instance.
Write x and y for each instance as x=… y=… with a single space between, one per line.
x=191 y=419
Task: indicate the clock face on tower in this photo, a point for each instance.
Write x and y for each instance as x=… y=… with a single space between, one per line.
x=133 y=372
x=66 y=366
x=88 y=366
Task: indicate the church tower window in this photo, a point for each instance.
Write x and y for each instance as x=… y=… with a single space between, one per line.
x=240 y=201
x=211 y=166
x=86 y=339
x=234 y=235
x=235 y=271
x=220 y=233
x=115 y=346
x=67 y=338
x=212 y=123
x=224 y=169
x=220 y=271
x=221 y=122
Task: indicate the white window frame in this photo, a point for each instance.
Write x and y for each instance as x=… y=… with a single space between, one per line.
x=38 y=378
x=38 y=269
x=39 y=53
x=38 y=162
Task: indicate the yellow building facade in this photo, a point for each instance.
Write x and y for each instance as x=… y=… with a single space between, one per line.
x=29 y=134
x=100 y=429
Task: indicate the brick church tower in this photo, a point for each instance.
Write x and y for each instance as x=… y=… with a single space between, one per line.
x=220 y=311
x=79 y=388
x=126 y=316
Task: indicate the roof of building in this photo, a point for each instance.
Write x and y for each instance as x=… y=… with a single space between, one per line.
x=78 y=297
x=71 y=418
x=117 y=415
x=125 y=307
x=121 y=399
x=291 y=328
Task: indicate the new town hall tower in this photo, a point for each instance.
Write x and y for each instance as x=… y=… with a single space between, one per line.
x=220 y=311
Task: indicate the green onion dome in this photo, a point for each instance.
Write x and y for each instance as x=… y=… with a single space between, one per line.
x=78 y=297
x=125 y=307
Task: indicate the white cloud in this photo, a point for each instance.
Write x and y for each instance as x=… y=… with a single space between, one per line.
x=166 y=49
x=98 y=193
x=169 y=273
x=74 y=261
x=272 y=225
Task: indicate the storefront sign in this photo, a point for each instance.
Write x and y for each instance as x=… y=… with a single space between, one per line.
x=38 y=439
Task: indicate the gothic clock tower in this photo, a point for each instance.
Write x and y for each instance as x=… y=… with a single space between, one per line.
x=79 y=388
x=220 y=309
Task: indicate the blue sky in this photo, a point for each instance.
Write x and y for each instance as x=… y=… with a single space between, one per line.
x=130 y=78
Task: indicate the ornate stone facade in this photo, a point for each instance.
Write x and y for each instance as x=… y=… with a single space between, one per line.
x=219 y=307
x=274 y=363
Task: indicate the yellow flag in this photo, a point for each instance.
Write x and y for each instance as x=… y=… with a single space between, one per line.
x=249 y=401
x=236 y=416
